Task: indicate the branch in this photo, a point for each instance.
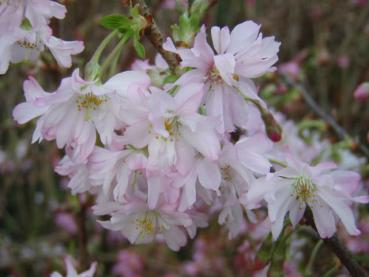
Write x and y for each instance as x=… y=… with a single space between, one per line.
x=82 y=234
x=153 y=33
x=340 y=131
x=340 y=250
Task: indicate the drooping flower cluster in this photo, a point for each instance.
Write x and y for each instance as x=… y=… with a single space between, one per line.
x=25 y=32
x=157 y=154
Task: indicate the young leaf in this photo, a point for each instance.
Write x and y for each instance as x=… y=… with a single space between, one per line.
x=115 y=21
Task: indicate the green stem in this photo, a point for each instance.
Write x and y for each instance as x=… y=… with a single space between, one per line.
x=309 y=267
x=331 y=271
x=113 y=57
x=92 y=67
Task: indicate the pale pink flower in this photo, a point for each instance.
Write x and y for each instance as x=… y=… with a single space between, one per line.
x=235 y=168
x=115 y=170
x=25 y=33
x=168 y=125
x=74 y=112
x=26 y=45
x=239 y=55
x=78 y=173
x=139 y=224
x=11 y=14
x=39 y=12
x=326 y=191
x=173 y=132
x=72 y=272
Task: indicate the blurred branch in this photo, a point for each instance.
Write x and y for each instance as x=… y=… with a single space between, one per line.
x=82 y=234
x=339 y=130
x=153 y=33
x=340 y=250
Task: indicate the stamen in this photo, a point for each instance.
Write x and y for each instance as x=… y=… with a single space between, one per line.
x=90 y=101
x=146 y=224
x=172 y=125
x=304 y=190
x=28 y=44
x=226 y=173
x=214 y=76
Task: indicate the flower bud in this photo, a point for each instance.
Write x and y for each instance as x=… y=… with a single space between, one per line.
x=273 y=130
x=361 y=93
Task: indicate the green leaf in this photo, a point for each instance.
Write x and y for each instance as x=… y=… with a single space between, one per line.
x=115 y=21
x=140 y=49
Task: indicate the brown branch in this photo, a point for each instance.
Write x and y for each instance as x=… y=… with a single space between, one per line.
x=82 y=234
x=339 y=130
x=340 y=250
x=153 y=33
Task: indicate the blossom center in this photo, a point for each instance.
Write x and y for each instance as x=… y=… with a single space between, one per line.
x=226 y=173
x=146 y=224
x=214 y=76
x=89 y=101
x=304 y=189
x=171 y=126
x=29 y=44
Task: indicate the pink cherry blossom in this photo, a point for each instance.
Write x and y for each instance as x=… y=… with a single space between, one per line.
x=25 y=33
x=73 y=113
x=139 y=224
x=78 y=173
x=239 y=55
x=115 y=169
x=326 y=191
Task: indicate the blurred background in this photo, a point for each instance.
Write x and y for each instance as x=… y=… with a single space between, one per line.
x=325 y=47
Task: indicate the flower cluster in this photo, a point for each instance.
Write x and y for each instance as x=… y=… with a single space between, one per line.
x=161 y=157
x=25 y=32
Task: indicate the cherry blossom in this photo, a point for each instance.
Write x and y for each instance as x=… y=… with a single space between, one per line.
x=326 y=191
x=239 y=55
x=25 y=33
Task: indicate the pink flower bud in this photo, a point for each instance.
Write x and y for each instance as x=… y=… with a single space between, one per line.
x=343 y=61
x=291 y=68
x=361 y=93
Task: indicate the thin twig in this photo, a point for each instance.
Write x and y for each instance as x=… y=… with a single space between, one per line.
x=339 y=130
x=340 y=250
x=153 y=33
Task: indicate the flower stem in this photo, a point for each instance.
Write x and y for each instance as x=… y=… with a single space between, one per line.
x=309 y=267
x=112 y=59
x=92 y=68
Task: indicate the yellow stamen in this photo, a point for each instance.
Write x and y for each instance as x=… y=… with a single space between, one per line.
x=146 y=224
x=226 y=173
x=304 y=189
